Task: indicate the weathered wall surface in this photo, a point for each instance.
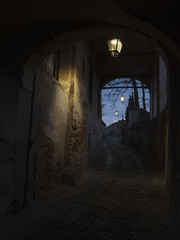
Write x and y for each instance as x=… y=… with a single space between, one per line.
x=49 y=120
x=85 y=132
x=65 y=119
x=52 y=124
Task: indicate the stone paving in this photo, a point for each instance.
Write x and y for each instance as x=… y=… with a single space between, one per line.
x=118 y=198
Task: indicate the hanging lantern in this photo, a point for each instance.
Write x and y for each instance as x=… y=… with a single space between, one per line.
x=122 y=98
x=116 y=112
x=115 y=46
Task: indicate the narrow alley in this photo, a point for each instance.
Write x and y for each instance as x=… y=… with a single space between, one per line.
x=118 y=198
x=89 y=120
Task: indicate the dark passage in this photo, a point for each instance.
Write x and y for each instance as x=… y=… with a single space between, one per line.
x=120 y=197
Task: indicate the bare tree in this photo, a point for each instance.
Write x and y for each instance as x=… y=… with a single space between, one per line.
x=136 y=97
x=120 y=86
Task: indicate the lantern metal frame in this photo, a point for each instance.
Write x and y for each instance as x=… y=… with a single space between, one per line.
x=115 y=46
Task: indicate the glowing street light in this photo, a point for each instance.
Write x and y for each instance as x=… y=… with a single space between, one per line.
x=122 y=98
x=115 y=46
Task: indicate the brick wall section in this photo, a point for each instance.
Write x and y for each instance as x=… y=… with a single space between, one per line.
x=77 y=146
x=48 y=172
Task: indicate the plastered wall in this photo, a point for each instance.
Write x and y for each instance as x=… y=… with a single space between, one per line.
x=53 y=127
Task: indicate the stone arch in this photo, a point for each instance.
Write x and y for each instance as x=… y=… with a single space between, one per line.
x=98 y=31
x=104 y=31
x=170 y=54
x=94 y=30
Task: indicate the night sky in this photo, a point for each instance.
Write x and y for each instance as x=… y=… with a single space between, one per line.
x=109 y=110
x=109 y=107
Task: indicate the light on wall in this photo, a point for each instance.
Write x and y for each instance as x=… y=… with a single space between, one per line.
x=116 y=112
x=115 y=46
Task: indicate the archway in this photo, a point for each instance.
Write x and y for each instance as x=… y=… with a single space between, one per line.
x=101 y=31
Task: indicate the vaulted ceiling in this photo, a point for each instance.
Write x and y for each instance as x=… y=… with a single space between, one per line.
x=161 y=13
x=136 y=60
x=27 y=25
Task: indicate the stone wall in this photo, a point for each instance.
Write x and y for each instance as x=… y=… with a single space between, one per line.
x=150 y=139
x=50 y=125
x=49 y=121
x=85 y=127
x=143 y=137
x=63 y=119
x=116 y=129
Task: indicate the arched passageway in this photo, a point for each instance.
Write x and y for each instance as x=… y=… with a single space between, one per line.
x=41 y=156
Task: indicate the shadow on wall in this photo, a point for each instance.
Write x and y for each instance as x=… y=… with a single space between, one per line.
x=150 y=139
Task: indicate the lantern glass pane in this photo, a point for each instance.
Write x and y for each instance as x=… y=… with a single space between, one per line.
x=115 y=45
x=119 y=45
x=112 y=44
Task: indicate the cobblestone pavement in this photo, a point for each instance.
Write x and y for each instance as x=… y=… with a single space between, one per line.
x=119 y=198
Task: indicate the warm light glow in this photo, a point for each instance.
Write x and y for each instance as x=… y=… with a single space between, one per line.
x=115 y=46
x=124 y=118
x=122 y=98
x=116 y=113
x=114 y=41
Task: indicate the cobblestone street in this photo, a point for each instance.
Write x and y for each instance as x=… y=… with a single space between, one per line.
x=118 y=198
